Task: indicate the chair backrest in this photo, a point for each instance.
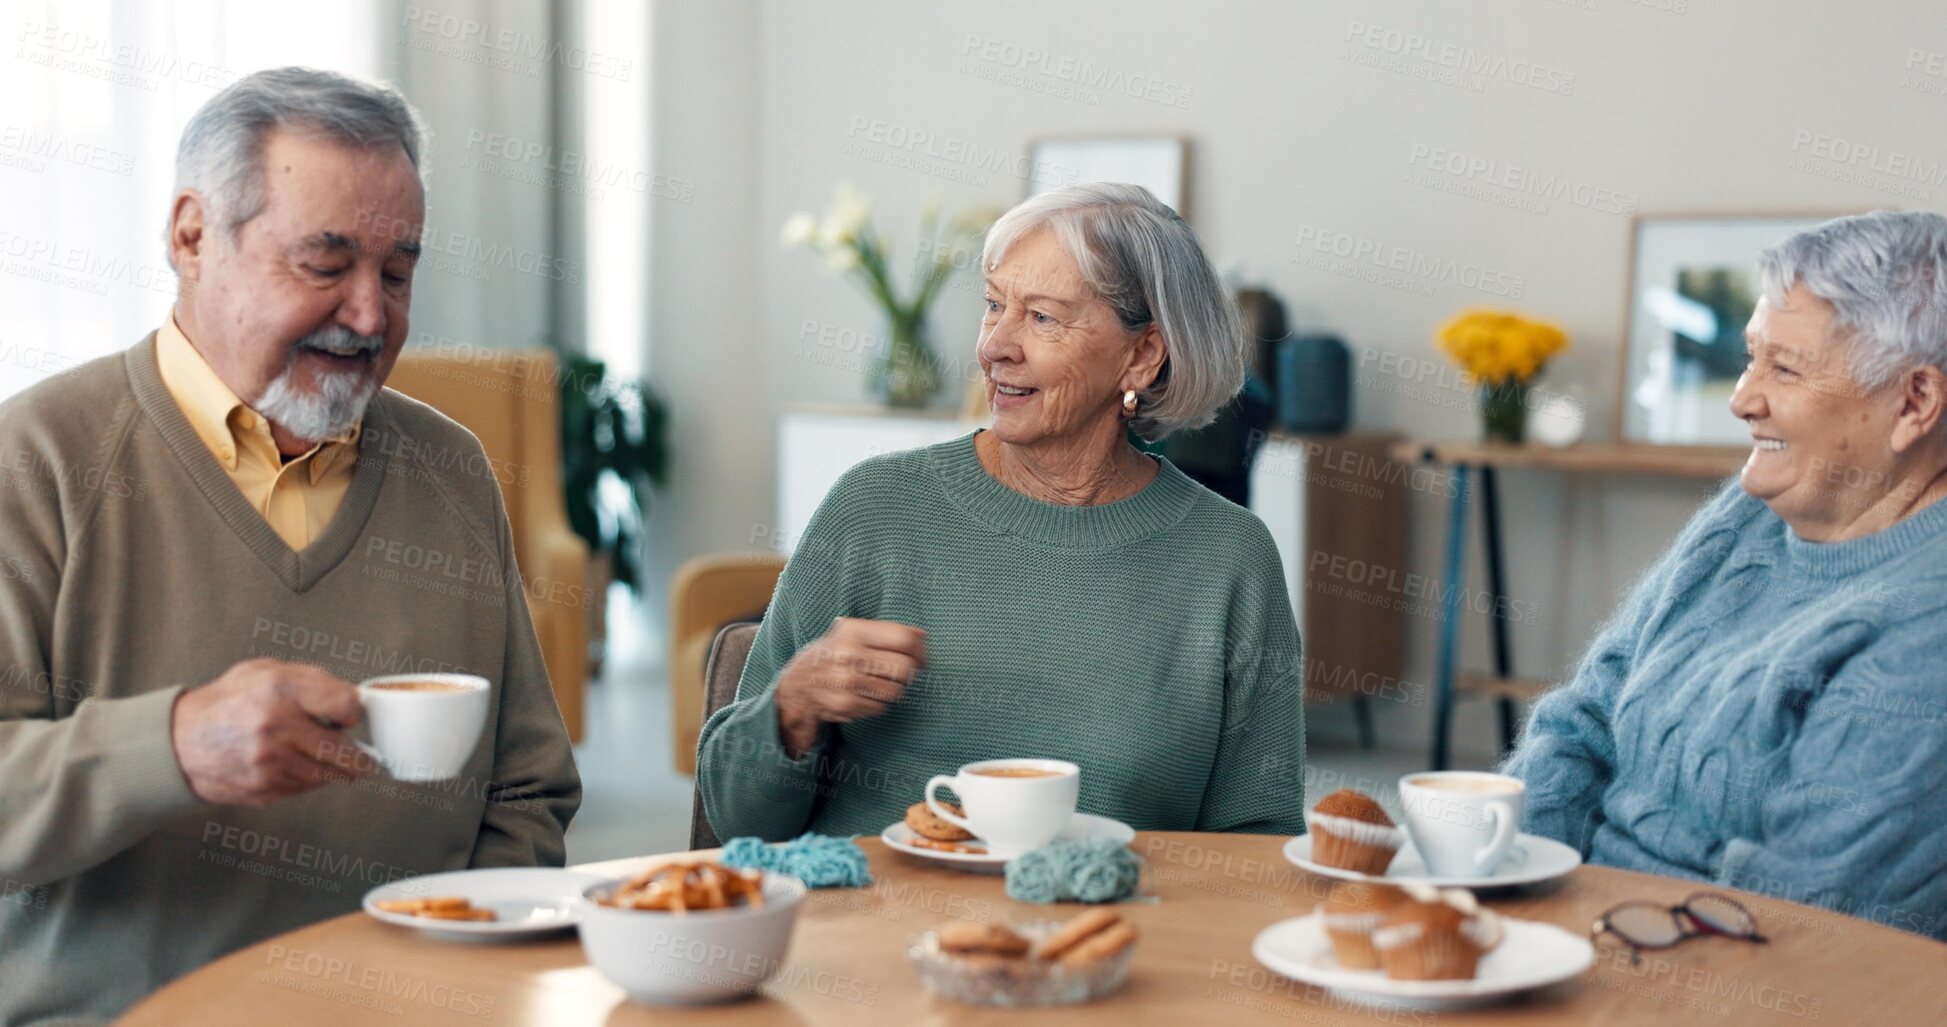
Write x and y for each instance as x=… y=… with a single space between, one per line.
x=508 y=399
x=721 y=671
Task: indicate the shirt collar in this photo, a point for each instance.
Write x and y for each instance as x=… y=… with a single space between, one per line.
x=225 y=423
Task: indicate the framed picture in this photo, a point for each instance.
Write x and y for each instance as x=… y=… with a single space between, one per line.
x=1692 y=286
x=1160 y=164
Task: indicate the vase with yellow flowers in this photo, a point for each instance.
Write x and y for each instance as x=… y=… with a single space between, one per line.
x=1502 y=353
x=904 y=371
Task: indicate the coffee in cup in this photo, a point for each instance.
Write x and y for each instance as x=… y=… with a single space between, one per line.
x=424 y=726
x=420 y=685
x=1014 y=805
x=1463 y=822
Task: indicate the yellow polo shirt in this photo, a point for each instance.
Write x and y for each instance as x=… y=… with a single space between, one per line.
x=298 y=496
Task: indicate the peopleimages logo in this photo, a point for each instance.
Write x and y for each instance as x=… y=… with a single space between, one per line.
x=1405 y=261
x=1454 y=57
x=1075 y=71
x=1526 y=181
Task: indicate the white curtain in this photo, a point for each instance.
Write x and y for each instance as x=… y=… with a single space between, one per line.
x=97 y=92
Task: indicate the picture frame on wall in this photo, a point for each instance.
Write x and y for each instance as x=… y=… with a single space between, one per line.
x=1693 y=282
x=1160 y=164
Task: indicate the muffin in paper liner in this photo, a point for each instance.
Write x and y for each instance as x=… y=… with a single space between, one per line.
x=1356 y=845
x=1436 y=935
x=1351 y=912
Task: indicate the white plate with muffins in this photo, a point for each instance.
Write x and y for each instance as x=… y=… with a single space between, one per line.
x=1351 y=837
x=1419 y=946
x=925 y=835
x=1532 y=859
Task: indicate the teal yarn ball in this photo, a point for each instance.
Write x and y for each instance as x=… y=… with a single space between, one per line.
x=820 y=861
x=1100 y=870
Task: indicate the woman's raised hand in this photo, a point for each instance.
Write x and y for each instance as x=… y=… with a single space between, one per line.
x=855 y=670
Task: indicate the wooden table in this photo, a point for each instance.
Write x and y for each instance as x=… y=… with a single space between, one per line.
x=1484 y=457
x=847 y=965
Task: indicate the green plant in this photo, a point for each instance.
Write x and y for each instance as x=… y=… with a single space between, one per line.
x=614 y=449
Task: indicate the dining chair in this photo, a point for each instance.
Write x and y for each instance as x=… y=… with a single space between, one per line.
x=721 y=670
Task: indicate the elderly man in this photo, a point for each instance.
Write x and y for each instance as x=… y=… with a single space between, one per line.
x=184 y=521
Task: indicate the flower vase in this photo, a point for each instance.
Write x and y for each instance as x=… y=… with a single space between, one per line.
x=907 y=375
x=1504 y=411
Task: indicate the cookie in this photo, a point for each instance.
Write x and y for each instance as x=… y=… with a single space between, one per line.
x=963 y=937
x=1074 y=931
x=1102 y=944
x=928 y=824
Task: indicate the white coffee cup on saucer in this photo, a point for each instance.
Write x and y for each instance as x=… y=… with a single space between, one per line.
x=1014 y=805
x=424 y=726
x=1463 y=822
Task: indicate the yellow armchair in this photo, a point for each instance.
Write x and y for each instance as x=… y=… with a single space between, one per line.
x=706 y=594
x=508 y=398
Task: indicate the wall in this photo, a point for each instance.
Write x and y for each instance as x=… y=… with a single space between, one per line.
x=706 y=292
x=1660 y=105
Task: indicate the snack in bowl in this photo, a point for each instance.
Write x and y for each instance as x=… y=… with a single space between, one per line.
x=690 y=932
x=1352 y=911
x=965 y=937
x=1435 y=934
x=1040 y=963
x=681 y=887
x=441 y=908
x=1350 y=831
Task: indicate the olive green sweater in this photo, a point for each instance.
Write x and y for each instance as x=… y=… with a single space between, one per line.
x=1148 y=640
x=133 y=568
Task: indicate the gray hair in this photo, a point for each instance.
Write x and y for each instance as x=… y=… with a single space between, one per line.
x=1141 y=259
x=222 y=148
x=1885 y=274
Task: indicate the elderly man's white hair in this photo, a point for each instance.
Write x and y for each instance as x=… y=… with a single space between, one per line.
x=1885 y=274
x=1141 y=259
x=222 y=148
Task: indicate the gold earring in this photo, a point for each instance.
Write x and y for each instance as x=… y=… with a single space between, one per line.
x=1129 y=402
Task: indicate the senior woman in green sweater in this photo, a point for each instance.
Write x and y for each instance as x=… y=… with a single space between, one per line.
x=1041 y=588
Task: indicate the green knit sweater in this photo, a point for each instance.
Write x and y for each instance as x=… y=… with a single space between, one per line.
x=1149 y=641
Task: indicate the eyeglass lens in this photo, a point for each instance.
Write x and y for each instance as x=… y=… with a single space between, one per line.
x=1644 y=924
x=1721 y=915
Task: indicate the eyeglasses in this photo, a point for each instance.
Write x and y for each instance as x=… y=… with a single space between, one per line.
x=1645 y=925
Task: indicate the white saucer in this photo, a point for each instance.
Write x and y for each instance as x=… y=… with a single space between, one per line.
x=1530 y=859
x=530 y=901
x=1081 y=827
x=1531 y=955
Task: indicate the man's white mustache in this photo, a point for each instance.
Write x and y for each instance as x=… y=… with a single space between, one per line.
x=339 y=339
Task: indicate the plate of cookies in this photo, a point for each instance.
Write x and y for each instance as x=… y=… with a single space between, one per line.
x=503 y=903
x=1419 y=945
x=929 y=836
x=1030 y=964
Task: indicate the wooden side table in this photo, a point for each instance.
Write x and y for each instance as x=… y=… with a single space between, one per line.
x=1464 y=458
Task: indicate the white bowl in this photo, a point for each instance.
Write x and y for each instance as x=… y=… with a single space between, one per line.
x=687 y=958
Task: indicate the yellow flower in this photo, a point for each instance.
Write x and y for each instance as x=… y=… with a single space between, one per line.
x=1495 y=346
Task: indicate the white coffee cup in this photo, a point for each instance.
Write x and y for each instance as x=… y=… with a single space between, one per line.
x=426 y=734
x=1015 y=806
x=1462 y=821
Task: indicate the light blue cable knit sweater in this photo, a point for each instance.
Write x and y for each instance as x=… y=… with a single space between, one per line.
x=1765 y=713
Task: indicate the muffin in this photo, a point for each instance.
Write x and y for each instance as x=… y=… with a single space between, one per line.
x=1435 y=935
x=1349 y=831
x=1352 y=911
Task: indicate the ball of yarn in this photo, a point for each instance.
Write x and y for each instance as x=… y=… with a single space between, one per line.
x=820 y=861
x=1099 y=870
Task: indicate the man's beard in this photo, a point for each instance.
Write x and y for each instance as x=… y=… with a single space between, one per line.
x=337 y=402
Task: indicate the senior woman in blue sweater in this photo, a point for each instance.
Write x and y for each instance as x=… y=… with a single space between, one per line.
x=1769 y=709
